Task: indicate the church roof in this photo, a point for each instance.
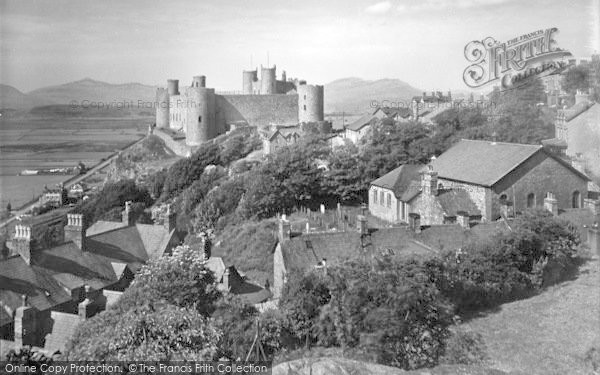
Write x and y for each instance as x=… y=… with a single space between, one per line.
x=482 y=162
x=403 y=181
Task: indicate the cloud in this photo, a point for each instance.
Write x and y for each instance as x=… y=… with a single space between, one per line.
x=379 y=8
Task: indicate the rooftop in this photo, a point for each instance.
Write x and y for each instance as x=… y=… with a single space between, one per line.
x=482 y=162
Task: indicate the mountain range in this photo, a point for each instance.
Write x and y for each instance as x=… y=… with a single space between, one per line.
x=350 y=95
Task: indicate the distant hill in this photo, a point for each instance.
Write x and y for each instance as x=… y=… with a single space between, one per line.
x=95 y=91
x=11 y=98
x=354 y=95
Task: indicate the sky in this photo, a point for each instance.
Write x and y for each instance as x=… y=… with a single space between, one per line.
x=420 y=42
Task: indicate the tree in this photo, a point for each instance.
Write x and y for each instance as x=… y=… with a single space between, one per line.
x=8 y=207
x=163 y=315
x=180 y=279
x=185 y=171
x=390 y=308
x=236 y=319
x=159 y=332
x=576 y=78
x=301 y=300
x=113 y=197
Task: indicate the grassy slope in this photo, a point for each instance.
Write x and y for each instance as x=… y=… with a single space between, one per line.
x=549 y=333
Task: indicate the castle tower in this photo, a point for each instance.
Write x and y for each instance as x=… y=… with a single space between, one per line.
x=173 y=86
x=199 y=81
x=162 y=108
x=200 y=121
x=249 y=77
x=268 y=80
x=310 y=103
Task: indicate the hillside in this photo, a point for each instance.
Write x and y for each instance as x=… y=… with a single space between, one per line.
x=95 y=91
x=354 y=95
x=555 y=332
x=11 y=98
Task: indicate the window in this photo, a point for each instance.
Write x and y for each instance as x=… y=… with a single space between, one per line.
x=374 y=196
x=389 y=200
x=381 y=198
x=576 y=199
x=531 y=200
x=304 y=97
x=305 y=107
x=199 y=118
x=503 y=198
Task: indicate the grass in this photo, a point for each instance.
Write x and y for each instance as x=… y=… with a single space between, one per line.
x=550 y=333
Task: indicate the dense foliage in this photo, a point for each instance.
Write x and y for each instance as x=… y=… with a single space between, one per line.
x=112 y=197
x=538 y=252
x=163 y=315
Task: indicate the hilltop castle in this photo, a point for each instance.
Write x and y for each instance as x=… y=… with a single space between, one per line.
x=202 y=114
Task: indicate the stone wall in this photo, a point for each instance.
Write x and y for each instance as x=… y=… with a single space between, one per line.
x=177 y=146
x=256 y=110
x=481 y=196
x=539 y=175
x=380 y=209
x=428 y=207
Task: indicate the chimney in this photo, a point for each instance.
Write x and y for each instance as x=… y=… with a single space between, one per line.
x=25 y=325
x=285 y=229
x=94 y=302
x=22 y=242
x=168 y=219
x=593 y=237
x=75 y=230
x=127 y=215
x=429 y=181
x=361 y=225
x=551 y=204
x=414 y=222
x=226 y=280
x=593 y=205
x=463 y=219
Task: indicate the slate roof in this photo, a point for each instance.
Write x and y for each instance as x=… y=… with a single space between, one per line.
x=483 y=162
x=63 y=328
x=102 y=226
x=306 y=250
x=403 y=181
x=57 y=270
x=361 y=122
x=17 y=278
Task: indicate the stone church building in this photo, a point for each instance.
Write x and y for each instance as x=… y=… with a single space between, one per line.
x=478 y=181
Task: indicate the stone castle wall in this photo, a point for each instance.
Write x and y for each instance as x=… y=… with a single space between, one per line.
x=256 y=110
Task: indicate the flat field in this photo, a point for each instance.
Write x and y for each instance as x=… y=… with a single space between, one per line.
x=36 y=143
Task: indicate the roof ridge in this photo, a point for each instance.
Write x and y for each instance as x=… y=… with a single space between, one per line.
x=502 y=143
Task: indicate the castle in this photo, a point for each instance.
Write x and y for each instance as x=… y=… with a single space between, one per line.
x=202 y=113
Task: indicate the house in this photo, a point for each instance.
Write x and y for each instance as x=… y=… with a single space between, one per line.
x=485 y=180
x=358 y=129
x=281 y=137
x=301 y=252
x=229 y=280
x=55 y=197
x=414 y=189
x=577 y=133
x=399 y=114
x=44 y=291
x=77 y=190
